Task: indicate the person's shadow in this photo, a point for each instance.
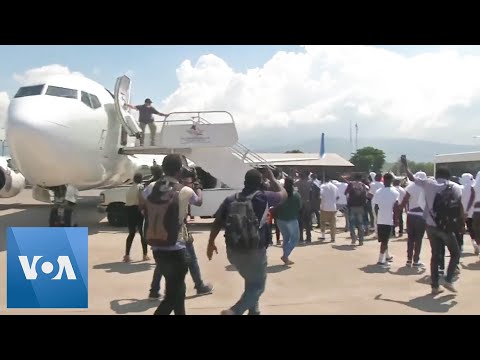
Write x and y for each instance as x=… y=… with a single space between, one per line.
x=125 y=268
x=426 y=303
x=472 y=266
x=125 y=306
x=408 y=271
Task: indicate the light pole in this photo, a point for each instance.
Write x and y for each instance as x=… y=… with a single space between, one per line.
x=2 y=132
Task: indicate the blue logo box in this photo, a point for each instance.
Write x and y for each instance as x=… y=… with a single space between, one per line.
x=47 y=267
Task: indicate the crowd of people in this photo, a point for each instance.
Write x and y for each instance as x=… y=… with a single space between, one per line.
x=271 y=202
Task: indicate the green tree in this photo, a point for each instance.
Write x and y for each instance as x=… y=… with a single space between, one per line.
x=293 y=152
x=368 y=159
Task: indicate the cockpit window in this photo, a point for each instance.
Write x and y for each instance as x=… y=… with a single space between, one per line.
x=29 y=91
x=90 y=100
x=95 y=102
x=86 y=99
x=62 y=92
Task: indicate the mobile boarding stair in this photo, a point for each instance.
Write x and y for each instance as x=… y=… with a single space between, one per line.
x=211 y=144
x=208 y=138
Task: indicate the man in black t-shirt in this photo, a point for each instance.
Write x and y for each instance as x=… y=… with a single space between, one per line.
x=146 y=112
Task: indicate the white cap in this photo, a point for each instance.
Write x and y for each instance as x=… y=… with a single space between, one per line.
x=421 y=175
x=467 y=179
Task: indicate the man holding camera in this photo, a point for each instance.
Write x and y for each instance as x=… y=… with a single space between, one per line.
x=190 y=194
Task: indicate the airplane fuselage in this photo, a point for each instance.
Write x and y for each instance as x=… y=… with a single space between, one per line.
x=65 y=130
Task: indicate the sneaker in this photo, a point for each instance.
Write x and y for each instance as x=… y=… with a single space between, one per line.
x=286 y=261
x=438 y=290
x=154 y=297
x=321 y=237
x=126 y=259
x=383 y=264
x=279 y=243
x=419 y=264
x=441 y=272
x=206 y=289
x=449 y=286
x=146 y=258
x=390 y=259
x=227 y=312
x=409 y=263
x=360 y=243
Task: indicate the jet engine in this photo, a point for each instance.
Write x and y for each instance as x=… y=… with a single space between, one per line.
x=11 y=182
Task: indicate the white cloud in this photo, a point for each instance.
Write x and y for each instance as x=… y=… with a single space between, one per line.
x=36 y=75
x=4 y=101
x=385 y=92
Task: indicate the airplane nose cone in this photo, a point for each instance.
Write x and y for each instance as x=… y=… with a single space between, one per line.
x=32 y=142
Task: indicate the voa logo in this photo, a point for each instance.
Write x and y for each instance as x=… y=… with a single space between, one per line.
x=64 y=267
x=47 y=267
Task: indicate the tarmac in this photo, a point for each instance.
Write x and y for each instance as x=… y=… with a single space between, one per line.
x=326 y=279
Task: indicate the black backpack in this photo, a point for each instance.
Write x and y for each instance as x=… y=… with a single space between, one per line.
x=357 y=195
x=242 y=228
x=447 y=210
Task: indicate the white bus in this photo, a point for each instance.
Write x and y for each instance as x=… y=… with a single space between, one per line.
x=459 y=163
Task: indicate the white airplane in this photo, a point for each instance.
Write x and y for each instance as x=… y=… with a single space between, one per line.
x=67 y=130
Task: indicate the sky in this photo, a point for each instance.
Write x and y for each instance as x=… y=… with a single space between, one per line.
x=408 y=91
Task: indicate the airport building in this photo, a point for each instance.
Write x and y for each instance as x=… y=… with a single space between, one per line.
x=331 y=164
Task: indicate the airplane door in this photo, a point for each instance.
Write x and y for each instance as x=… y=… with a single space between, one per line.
x=122 y=97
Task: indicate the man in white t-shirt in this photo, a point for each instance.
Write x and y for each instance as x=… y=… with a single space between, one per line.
x=386 y=201
x=328 y=208
x=375 y=185
x=414 y=200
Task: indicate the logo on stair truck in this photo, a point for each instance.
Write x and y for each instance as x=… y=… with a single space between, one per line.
x=47 y=267
x=195 y=135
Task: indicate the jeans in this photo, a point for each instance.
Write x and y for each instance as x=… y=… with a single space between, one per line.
x=344 y=210
x=438 y=240
x=290 y=234
x=305 y=221
x=252 y=267
x=356 y=214
x=415 y=230
x=173 y=266
x=369 y=211
x=192 y=264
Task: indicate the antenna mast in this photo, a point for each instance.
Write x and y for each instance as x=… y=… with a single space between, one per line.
x=356 y=136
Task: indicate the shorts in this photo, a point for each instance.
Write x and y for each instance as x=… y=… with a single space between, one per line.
x=384 y=232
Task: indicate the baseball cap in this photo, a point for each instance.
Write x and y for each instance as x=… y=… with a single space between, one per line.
x=147 y=100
